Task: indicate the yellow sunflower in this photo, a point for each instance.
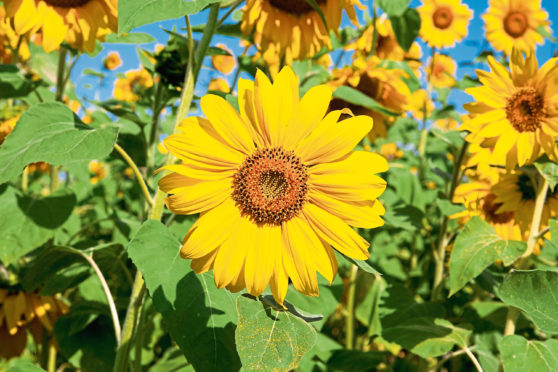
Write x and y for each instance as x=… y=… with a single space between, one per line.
x=517 y=111
x=6 y=127
x=219 y=84
x=390 y=151
x=516 y=192
x=112 y=61
x=127 y=88
x=386 y=46
x=225 y=64
x=443 y=22
x=384 y=85
x=441 y=71
x=276 y=185
x=20 y=311
x=78 y=22
x=97 y=170
x=420 y=103
x=292 y=29
x=510 y=23
x=9 y=41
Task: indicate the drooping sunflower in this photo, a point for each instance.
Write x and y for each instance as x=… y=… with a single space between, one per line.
x=385 y=86
x=511 y=23
x=386 y=46
x=276 y=185
x=441 y=71
x=20 y=311
x=291 y=29
x=78 y=22
x=517 y=111
x=516 y=192
x=443 y=22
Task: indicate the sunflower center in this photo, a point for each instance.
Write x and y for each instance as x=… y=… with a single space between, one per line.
x=442 y=17
x=67 y=3
x=525 y=109
x=516 y=24
x=489 y=208
x=270 y=186
x=294 y=6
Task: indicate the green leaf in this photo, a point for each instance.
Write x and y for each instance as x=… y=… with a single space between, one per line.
x=29 y=222
x=393 y=8
x=534 y=292
x=546 y=33
x=131 y=38
x=206 y=334
x=52 y=133
x=356 y=97
x=427 y=337
x=355 y=360
x=448 y=208
x=519 y=354
x=269 y=339
x=91 y=72
x=549 y=171
x=23 y=366
x=134 y=13
x=406 y=27
x=12 y=83
x=477 y=247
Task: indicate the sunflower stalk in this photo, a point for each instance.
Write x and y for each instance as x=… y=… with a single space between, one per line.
x=350 y=319
x=136 y=171
x=138 y=289
x=523 y=263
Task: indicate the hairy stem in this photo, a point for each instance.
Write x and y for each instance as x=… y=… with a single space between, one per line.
x=136 y=171
x=350 y=320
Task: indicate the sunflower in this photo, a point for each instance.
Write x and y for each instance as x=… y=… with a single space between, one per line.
x=78 y=22
x=225 y=64
x=20 y=311
x=9 y=41
x=443 y=22
x=510 y=23
x=276 y=185
x=219 y=84
x=516 y=112
x=441 y=71
x=390 y=151
x=6 y=127
x=386 y=46
x=385 y=86
x=97 y=170
x=112 y=61
x=420 y=103
x=128 y=87
x=292 y=29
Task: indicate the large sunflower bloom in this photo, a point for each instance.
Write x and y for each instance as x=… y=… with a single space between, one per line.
x=443 y=22
x=516 y=112
x=276 y=185
x=20 y=311
x=134 y=82
x=292 y=29
x=78 y=22
x=385 y=86
x=511 y=23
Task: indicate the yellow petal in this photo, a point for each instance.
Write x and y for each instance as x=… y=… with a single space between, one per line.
x=193 y=196
x=261 y=257
x=231 y=255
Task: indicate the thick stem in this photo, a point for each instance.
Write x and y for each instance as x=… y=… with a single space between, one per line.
x=108 y=295
x=206 y=38
x=350 y=320
x=59 y=95
x=136 y=171
x=51 y=358
x=25 y=180
x=523 y=263
x=440 y=252
x=152 y=144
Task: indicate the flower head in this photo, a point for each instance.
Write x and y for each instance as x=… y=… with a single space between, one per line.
x=113 y=61
x=224 y=63
x=441 y=71
x=510 y=23
x=516 y=111
x=128 y=87
x=443 y=22
x=78 y=22
x=276 y=185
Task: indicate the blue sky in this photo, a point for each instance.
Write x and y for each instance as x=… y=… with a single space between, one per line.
x=88 y=86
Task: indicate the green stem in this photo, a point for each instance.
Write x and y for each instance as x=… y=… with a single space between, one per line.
x=206 y=38
x=228 y=13
x=440 y=252
x=375 y=29
x=51 y=358
x=25 y=180
x=138 y=288
x=136 y=171
x=152 y=144
x=523 y=264
x=350 y=320
x=59 y=95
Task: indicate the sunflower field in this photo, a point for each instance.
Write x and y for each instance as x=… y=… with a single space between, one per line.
x=278 y=185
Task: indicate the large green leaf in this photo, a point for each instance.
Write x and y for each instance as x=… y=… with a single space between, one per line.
x=134 y=13
x=351 y=95
x=12 y=83
x=269 y=339
x=477 y=247
x=355 y=360
x=52 y=133
x=29 y=222
x=131 y=38
x=519 y=354
x=534 y=292
x=200 y=317
x=406 y=27
x=549 y=170
x=393 y=7
x=23 y=366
